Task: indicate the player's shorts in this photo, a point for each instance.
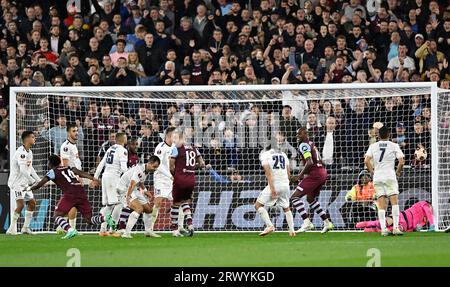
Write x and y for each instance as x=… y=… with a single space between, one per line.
x=163 y=190
x=283 y=192
x=109 y=189
x=83 y=206
x=388 y=188
x=312 y=183
x=140 y=196
x=182 y=191
x=22 y=194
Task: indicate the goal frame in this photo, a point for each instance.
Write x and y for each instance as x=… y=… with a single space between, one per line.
x=242 y=88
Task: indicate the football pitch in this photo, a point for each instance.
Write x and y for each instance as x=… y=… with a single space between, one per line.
x=229 y=249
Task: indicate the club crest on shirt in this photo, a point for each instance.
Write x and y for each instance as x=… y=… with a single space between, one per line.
x=158 y=152
x=66 y=149
x=22 y=156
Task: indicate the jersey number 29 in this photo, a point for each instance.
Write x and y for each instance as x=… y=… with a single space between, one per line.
x=279 y=162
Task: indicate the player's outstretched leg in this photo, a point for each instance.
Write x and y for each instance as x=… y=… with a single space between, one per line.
x=174 y=213
x=327 y=224
x=298 y=205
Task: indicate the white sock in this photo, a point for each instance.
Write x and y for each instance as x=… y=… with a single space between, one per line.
x=307 y=221
x=116 y=212
x=105 y=211
x=14 y=219
x=265 y=216
x=73 y=222
x=134 y=216
x=395 y=215
x=180 y=219
x=146 y=217
x=382 y=219
x=153 y=217
x=28 y=216
x=290 y=220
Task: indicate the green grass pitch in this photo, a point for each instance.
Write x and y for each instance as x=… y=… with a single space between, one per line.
x=229 y=249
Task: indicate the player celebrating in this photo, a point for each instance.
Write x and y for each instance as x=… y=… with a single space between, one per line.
x=383 y=154
x=184 y=159
x=115 y=163
x=314 y=177
x=412 y=219
x=276 y=168
x=70 y=157
x=22 y=175
x=74 y=195
x=132 y=182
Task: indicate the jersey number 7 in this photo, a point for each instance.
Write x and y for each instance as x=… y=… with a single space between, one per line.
x=383 y=150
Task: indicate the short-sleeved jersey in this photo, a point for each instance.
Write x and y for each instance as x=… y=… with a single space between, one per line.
x=185 y=163
x=67 y=181
x=384 y=154
x=114 y=161
x=307 y=149
x=133 y=159
x=278 y=163
x=162 y=174
x=136 y=173
x=22 y=157
x=69 y=151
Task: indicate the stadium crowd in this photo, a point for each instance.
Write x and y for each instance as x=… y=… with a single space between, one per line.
x=220 y=42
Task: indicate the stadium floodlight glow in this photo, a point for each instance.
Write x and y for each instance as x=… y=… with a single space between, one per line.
x=231 y=125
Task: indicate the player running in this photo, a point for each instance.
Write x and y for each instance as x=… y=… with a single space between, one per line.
x=21 y=176
x=71 y=157
x=115 y=163
x=383 y=155
x=313 y=177
x=184 y=159
x=74 y=195
x=412 y=219
x=132 y=183
x=276 y=167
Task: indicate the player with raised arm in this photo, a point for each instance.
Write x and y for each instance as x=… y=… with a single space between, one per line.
x=73 y=195
x=71 y=157
x=132 y=183
x=313 y=177
x=115 y=164
x=276 y=168
x=184 y=159
x=21 y=176
x=383 y=155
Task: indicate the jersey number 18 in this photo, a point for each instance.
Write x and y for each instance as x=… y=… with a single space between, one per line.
x=190 y=158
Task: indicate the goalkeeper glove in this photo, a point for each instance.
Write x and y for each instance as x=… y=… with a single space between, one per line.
x=418 y=227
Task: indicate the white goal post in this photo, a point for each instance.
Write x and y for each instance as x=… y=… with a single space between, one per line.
x=231 y=125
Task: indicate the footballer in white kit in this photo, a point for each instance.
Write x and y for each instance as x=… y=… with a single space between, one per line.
x=115 y=164
x=21 y=176
x=380 y=161
x=277 y=192
x=132 y=182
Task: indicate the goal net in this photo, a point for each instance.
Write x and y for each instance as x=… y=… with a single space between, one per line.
x=232 y=125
